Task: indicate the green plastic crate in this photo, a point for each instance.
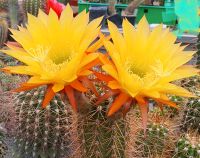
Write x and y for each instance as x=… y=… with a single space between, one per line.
x=157 y=14
x=84 y=5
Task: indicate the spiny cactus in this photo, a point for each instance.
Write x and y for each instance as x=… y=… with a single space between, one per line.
x=187 y=149
x=153 y=144
x=42 y=132
x=13 y=13
x=3 y=5
x=3 y=31
x=33 y=6
x=192 y=84
x=172 y=112
x=191 y=117
x=101 y=136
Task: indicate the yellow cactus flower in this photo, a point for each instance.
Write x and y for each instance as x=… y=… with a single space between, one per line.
x=56 y=52
x=143 y=64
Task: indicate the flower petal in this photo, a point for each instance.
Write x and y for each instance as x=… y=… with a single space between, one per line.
x=118 y=102
x=48 y=96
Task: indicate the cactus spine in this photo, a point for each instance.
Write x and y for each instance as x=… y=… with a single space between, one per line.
x=42 y=132
x=3 y=31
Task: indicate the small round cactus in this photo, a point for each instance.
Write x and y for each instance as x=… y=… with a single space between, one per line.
x=191 y=117
x=42 y=132
x=185 y=149
x=153 y=144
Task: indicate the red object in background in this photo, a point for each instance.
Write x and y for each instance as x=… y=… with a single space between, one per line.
x=56 y=6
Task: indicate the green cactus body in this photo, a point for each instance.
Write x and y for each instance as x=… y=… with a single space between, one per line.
x=3 y=31
x=33 y=6
x=3 y=5
x=153 y=144
x=101 y=136
x=42 y=132
x=185 y=149
x=191 y=117
x=13 y=13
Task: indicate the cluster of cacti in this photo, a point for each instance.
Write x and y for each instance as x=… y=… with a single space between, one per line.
x=153 y=143
x=3 y=31
x=186 y=149
x=42 y=132
x=33 y=6
x=191 y=117
x=101 y=136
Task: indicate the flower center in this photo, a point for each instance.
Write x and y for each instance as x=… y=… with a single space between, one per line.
x=61 y=59
x=133 y=69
